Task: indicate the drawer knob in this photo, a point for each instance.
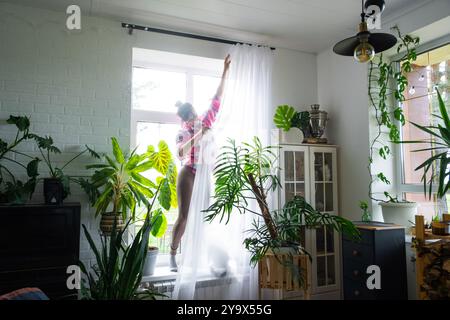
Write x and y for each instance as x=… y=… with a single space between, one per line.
x=355 y=253
x=356 y=292
x=356 y=273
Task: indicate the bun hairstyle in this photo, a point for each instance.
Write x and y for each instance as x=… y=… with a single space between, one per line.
x=185 y=110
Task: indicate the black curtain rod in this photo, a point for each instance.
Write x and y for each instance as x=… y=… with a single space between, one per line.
x=132 y=27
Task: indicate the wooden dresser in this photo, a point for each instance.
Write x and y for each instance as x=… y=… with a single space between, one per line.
x=37 y=243
x=382 y=245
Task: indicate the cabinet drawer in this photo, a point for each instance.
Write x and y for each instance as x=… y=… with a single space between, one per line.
x=366 y=237
x=355 y=270
x=357 y=290
x=357 y=251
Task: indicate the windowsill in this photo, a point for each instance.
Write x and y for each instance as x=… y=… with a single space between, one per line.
x=203 y=280
x=161 y=274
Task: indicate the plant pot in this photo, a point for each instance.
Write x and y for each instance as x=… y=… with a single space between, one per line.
x=440 y=228
x=53 y=191
x=150 y=261
x=399 y=213
x=293 y=136
x=275 y=273
x=107 y=223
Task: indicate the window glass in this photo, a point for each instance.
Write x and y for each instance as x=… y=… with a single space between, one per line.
x=149 y=133
x=429 y=207
x=431 y=70
x=156 y=90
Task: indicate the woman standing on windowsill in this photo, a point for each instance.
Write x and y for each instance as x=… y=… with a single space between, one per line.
x=193 y=128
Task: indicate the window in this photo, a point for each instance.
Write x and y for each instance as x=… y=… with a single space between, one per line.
x=159 y=80
x=431 y=70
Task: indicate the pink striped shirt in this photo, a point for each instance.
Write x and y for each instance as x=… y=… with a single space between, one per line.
x=189 y=129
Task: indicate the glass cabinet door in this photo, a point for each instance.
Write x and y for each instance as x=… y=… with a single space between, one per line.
x=293 y=173
x=325 y=241
x=294 y=178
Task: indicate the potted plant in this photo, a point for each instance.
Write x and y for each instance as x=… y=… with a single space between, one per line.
x=57 y=186
x=386 y=86
x=435 y=168
x=159 y=222
x=243 y=173
x=118 y=185
x=291 y=122
x=13 y=190
x=118 y=271
x=397 y=211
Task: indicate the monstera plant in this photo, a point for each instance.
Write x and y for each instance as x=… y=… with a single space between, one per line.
x=120 y=185
x=286 y=117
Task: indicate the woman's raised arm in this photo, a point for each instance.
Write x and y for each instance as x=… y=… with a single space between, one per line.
x=226 y=67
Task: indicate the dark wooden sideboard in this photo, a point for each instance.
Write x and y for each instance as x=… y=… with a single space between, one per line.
x=37 y=244
x=382 y=245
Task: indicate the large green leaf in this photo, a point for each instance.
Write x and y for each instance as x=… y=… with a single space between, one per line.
x=443 y=110
x=117 y=151
x=162 y=158
x=159 y=224
x=92 y=152
x=165 y=194
x=45 y=143
x=22 y=123
x=173 y=196
x=143 y=180
x=145 y=166
x=32 y=168
x=283 y=117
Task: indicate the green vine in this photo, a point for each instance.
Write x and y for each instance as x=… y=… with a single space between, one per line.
x=387 y=83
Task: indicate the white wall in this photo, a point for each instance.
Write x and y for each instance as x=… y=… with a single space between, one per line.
x=342 y=87
x=76 y=85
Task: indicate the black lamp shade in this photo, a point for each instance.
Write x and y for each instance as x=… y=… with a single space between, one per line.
x=380 y=41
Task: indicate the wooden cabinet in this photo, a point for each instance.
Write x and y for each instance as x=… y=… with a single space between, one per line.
x=37 y=243
x=382 y=246
x=311 y=171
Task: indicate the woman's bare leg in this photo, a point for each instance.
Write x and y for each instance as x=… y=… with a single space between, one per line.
x=185 y=184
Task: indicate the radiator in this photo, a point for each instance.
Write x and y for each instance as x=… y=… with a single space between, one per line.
x=205 y=290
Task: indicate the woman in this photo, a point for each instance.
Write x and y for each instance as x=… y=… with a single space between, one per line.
x=193 y=128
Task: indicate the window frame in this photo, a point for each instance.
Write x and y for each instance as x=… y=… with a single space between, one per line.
x=401 y=186
x=139 y=115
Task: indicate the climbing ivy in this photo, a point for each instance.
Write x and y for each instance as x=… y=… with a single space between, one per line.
x=387 y=83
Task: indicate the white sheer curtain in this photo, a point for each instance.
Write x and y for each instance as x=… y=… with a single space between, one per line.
x=215 y=250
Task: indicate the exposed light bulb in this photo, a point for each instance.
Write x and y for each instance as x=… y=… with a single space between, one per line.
x=364 y=52
x=412 y=90
x=422 y=77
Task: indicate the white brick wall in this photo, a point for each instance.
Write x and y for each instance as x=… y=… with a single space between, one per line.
x=77 y=94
